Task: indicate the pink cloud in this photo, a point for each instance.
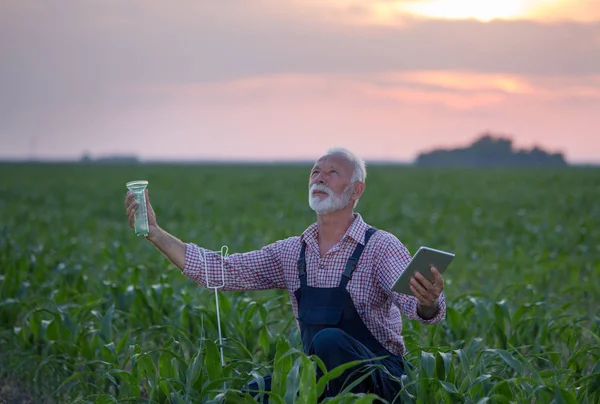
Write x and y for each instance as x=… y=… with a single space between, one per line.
x=453 y=89
x=387 y=115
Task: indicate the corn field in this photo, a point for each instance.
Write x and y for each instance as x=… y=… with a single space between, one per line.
x=90 y=313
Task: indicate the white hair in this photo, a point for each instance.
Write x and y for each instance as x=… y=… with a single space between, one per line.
x=360 y=170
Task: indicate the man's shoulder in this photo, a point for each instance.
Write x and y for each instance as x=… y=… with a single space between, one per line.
x=388 y=240
x=295 y=241
x=383 y=236
x=287 y=243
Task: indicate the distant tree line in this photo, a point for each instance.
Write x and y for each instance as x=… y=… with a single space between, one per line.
x=111 y=159
x=489 y=150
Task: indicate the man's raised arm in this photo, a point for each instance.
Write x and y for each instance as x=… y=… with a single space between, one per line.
x=170 y=246
x=255 y=270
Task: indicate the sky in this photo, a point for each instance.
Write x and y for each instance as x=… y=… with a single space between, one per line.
x=286 y=80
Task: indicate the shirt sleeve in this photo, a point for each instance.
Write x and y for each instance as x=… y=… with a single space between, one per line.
x=255 y=270
x=391 y=265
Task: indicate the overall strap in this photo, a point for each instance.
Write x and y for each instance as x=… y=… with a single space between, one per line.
x=302 y=265
x=353 y=261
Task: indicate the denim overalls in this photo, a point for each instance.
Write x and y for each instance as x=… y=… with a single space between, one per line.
x=332 y=329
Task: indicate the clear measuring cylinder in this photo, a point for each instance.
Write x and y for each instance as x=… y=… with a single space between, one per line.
x=141 y=212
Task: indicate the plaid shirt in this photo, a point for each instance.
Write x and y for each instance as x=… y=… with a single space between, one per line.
x=275 y=267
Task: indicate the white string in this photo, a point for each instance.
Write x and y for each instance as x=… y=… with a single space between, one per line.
x=224 y=254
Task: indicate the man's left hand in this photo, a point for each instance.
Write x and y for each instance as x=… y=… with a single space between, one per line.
x=427 y=292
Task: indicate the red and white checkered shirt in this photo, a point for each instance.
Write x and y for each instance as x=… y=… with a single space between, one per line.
x=275 y=267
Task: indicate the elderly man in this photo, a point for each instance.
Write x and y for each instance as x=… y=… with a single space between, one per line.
x=339 y=273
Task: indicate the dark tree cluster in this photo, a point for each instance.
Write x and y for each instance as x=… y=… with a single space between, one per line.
x=490 y=150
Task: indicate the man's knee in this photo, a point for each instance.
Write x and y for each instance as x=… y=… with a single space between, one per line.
x=328 y=343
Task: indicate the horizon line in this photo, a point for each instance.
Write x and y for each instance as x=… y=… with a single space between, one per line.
x=129 y=159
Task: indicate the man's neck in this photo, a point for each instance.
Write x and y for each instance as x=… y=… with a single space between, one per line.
x=333 y=226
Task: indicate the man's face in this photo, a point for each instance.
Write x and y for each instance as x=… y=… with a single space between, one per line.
x=329 y=184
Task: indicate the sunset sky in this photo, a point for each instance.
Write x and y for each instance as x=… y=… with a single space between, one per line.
x=285 y=80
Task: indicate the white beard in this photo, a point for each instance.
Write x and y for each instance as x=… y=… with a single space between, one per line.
x=330 y=203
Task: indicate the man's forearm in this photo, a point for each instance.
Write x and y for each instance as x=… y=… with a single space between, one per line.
x=170 y=246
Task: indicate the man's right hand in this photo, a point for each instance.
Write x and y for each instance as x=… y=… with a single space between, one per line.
x=131 y=205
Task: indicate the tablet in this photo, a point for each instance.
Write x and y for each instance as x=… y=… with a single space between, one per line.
x=420 y=262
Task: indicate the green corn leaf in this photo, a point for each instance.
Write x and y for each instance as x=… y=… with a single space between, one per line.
x=563 y=396
x=282 y=366
x=105 y=399
x=308 y=382
x=123 y=342
x=509 y=359
x=109 y=352
x=193 y=372
x=106 y=324
x=449 y=387
x=427 y=364
x=292 y=386
x=445 y=372
x=213 y=361
x=337 y=372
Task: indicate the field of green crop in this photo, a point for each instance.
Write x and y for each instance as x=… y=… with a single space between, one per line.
x=91 y=313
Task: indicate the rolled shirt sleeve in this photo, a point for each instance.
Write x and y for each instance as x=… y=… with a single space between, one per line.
x=392 y=263
x=255 y=270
